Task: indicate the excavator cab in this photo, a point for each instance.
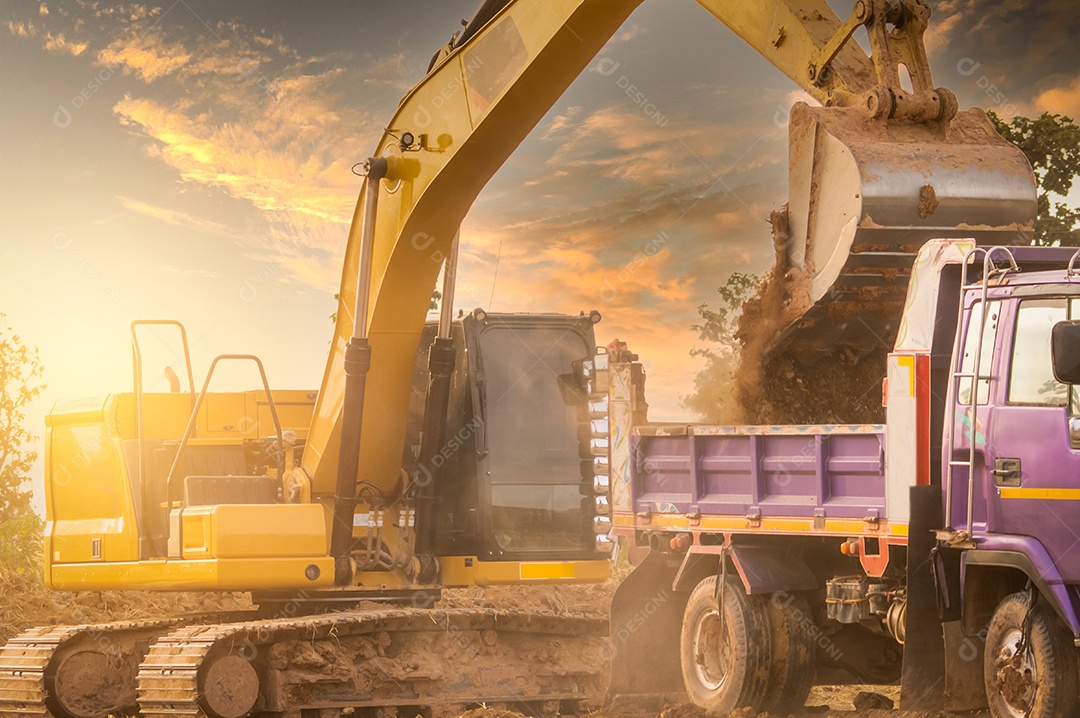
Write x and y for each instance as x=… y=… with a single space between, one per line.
x=516 y=475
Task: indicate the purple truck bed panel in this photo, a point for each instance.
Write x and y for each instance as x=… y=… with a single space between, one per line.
x=836 y=472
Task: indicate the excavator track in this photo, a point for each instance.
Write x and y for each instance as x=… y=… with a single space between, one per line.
x=387 y=661
x=430 y=661
x=75 y=671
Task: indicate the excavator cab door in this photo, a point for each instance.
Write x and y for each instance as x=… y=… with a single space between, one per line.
x=526 y=419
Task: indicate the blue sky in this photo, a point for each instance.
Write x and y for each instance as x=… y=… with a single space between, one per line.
x=191 y=160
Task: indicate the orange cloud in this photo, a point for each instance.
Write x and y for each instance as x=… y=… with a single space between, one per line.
x=147 y=56
x=21 y=29
x=58 y=43
x=1063 y=100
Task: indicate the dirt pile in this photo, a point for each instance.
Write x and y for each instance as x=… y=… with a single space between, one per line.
x=591 y=599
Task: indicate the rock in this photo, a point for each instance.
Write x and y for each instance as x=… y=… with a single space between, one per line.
x=682 y=710
x=865 y=701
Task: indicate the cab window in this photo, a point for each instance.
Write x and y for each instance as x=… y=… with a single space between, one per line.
x=967 y=365
x=1031 y=374
x=1074 y=391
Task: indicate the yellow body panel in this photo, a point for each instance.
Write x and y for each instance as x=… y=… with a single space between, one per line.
x=469 y=571
x=224 y=415
x=226 y=574
x=253 y=531
x=90 y=507
x=90 y=514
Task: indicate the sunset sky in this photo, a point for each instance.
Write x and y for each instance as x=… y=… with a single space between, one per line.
x=191 y=160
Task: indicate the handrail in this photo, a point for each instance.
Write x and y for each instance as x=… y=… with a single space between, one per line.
x=989 y=270
x=195 y=413
x=137 y=371
x=1073 y=271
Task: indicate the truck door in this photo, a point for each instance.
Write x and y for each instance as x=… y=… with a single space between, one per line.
x=967 y=429
x=1034 y=470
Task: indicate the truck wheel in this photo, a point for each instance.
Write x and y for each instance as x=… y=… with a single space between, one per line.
x=725 y=663
x=794 y=663
x=1040 y=681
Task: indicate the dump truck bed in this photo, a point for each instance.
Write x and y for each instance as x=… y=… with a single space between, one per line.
x=827 y=479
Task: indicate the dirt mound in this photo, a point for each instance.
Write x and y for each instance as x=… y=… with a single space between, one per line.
x=593 y=599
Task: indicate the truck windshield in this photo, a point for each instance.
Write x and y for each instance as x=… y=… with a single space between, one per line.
x=533 y=461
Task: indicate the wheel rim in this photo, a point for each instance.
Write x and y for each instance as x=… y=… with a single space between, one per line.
x=711 y=652
x=1017 y=674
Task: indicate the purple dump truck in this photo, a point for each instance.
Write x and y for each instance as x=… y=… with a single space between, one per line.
x=940 y=550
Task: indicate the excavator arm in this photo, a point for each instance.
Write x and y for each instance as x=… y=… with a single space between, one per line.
x=491 y=85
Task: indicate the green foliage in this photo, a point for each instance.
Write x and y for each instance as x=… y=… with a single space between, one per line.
x=1052 y=146
x=714 y=384
x=20 y=542
x=20 y=384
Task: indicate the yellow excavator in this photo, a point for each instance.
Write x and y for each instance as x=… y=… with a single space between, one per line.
x=483 y=460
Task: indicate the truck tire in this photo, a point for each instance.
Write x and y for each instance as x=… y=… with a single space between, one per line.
x=794 y=655
x=725 y=667
x=1042 y=681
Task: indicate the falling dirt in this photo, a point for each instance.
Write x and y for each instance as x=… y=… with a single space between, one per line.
x=842 y=387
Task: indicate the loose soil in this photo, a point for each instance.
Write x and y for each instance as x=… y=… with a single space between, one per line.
x=24 y=602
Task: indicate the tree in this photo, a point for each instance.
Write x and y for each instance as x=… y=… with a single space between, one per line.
x=714 y=385
x=20 y=384
x=1052 y=146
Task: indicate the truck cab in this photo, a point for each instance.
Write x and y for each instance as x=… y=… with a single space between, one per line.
x=941 y=549
x=1011 y=459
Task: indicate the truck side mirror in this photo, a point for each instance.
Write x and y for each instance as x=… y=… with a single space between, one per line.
x=1065 y=348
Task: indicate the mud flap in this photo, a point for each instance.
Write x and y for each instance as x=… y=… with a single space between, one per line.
x=646 y=620
x=964 y=688
x=922 y=684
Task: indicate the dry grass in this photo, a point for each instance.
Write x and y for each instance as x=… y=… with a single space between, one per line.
x=26 y=602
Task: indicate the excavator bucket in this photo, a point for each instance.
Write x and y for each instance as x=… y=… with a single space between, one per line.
x=865 y=194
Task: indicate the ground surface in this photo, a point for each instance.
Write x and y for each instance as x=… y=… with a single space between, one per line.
x=24 y=602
